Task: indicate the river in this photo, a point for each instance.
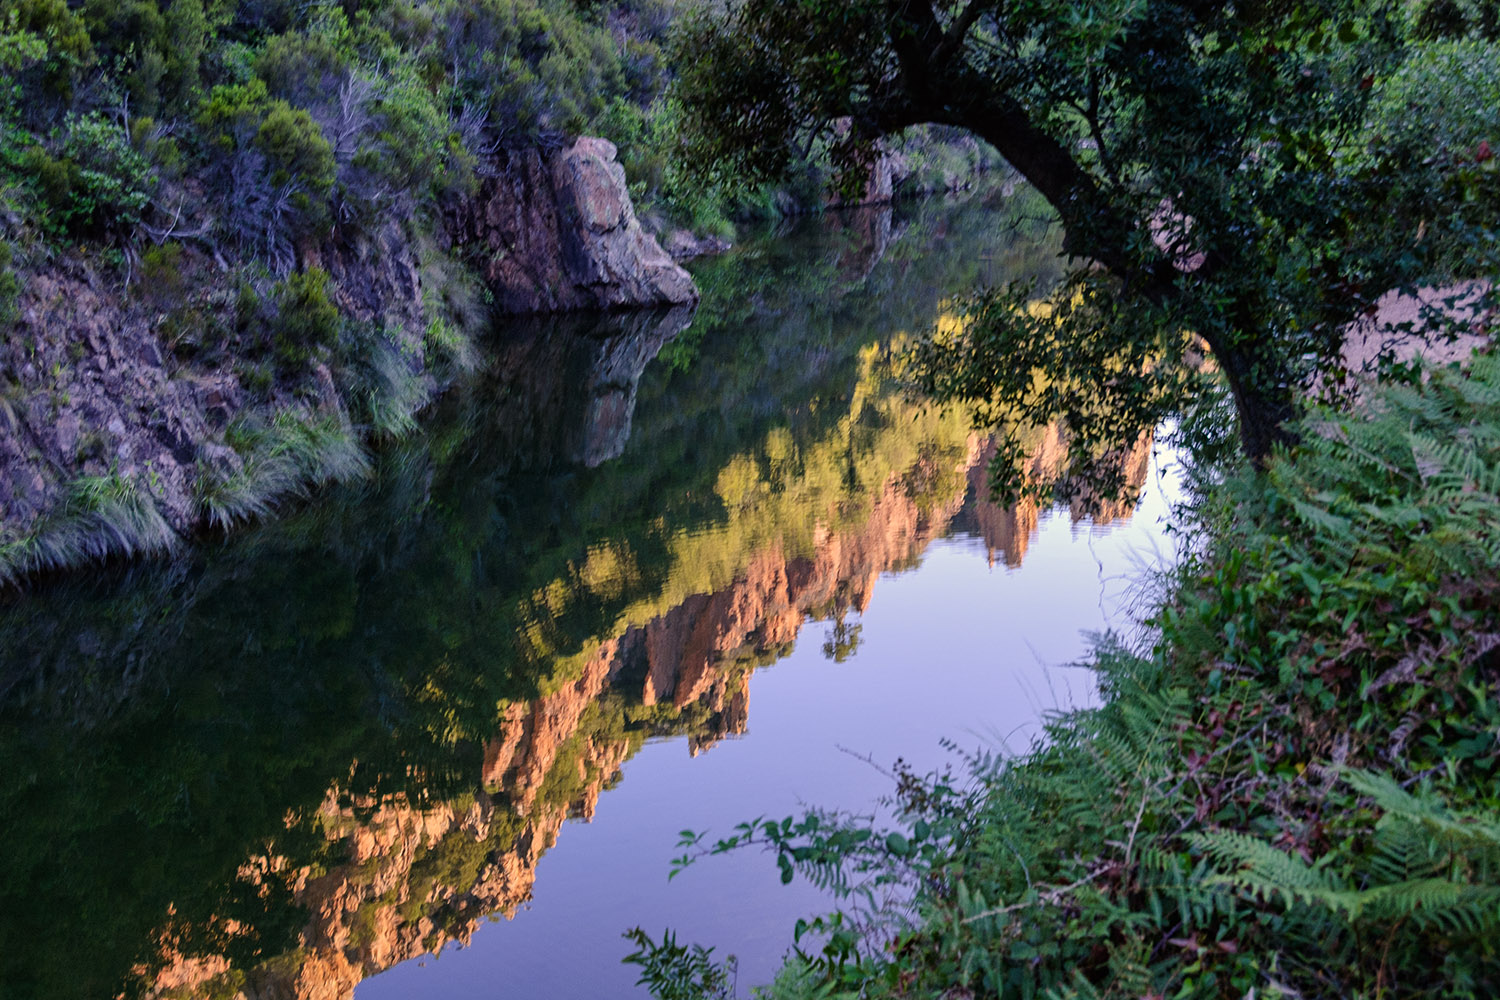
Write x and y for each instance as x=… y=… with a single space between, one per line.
x=435 y=734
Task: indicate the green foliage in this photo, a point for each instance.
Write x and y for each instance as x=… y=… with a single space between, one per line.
x=1215 y=162
x=95 y=184
x=679 y=972
x=304 y=320
x=161 y=278
x=66 y=49
x=300 y=66
x=1425 y=865
x=1443 y=98
x=650 y=150
x=1436 y=19
x=19 y=47
x=297 y=152
x=534 y=71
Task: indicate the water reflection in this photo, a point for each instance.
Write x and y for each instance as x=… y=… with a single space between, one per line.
x=345 y=738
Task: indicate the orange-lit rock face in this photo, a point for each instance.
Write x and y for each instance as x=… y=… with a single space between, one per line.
x=417 y=877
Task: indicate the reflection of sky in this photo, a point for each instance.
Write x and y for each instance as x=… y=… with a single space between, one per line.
x=951 y=649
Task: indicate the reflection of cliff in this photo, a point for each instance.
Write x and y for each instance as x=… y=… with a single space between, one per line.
x=156 y=732
x=570 y=382
x=416 y=877
x=1007 y=531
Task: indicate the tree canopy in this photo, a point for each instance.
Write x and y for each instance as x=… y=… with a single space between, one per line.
x=1219 y=169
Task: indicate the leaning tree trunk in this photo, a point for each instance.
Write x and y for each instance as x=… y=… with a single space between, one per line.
x=1265 y=399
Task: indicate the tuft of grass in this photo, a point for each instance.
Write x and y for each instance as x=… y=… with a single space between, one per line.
x=281 y=459
x=102 y=517
x=391 y=389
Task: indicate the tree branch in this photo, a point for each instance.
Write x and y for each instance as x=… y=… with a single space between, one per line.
x=953 y=40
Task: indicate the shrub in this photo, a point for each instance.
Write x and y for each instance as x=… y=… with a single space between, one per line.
x=1458 y=18
x=273 y=167
x=536 y=71
x=1445 y=98
x=114 y=182
x=414 y=138
x=300 y=66
x=296 y=151
x=19 y=48
x=67 y=48
x=161 y=277
x=10 y=287
x=97 y=184
x=305 y=320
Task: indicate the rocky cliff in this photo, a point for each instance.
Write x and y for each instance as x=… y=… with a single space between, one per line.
x=558 y=233
x=132 y=417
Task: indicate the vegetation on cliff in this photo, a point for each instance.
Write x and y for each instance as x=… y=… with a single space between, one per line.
x=240 y=203
x=266 y=210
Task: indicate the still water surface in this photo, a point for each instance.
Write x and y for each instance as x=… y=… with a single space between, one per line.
x=655 y=573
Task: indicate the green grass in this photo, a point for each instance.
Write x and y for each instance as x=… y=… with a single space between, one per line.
x=281 y=459
x=102 y=517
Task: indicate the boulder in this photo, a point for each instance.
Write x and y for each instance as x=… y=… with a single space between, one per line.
x=681 y=244
x=558 y=233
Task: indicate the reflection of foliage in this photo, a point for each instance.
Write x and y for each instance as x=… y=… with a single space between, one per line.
x=1300 y=763
x=1105 y=392
x=843 y=640
x=1218 y=162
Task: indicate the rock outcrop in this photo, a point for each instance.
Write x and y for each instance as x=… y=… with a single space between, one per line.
x=560 y=235
x=114 y=401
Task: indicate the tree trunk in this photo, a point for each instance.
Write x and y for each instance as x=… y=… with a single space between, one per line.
x=1266 y=403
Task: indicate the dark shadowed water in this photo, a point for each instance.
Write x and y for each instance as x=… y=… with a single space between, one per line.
x=435 y=736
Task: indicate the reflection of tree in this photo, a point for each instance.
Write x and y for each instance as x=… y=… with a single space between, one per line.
x=1007 y=531
x=843 y=639
x=1091 y=472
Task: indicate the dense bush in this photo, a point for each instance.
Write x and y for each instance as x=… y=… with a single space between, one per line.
x=66 y=51
x=93 y=182
x=305 y=321
x=269 y=122
x=1447 y=98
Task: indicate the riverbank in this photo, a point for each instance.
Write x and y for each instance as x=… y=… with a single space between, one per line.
x=241 y=245
x=1289 y=793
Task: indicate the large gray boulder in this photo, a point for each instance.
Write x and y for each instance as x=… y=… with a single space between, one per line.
x=559 y=234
